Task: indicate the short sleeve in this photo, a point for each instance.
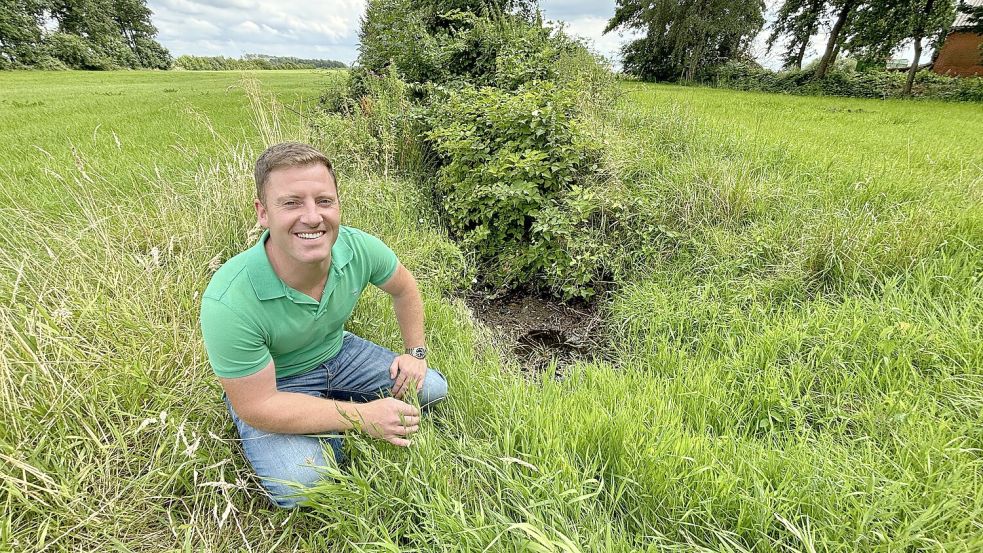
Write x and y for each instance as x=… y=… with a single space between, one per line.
x=235 y=348
x=382 y=260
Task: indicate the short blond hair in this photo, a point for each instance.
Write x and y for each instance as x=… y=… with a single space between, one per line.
x=287 y=154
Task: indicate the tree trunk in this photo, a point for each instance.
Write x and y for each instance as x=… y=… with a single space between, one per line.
x=914 y=67
x=689 y=72
x=834 y=36
x=919 y=33
x=815 y=9
x=802 y=52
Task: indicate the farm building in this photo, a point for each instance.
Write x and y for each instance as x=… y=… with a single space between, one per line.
x=960 y=53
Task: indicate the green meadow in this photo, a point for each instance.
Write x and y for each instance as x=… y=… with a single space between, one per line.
x=127 y=124
x=799 y=369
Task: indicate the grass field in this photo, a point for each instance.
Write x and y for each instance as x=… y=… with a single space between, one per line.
x=127 y=125
x=799 y=372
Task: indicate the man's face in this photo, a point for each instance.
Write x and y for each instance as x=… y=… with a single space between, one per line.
x=301 y=210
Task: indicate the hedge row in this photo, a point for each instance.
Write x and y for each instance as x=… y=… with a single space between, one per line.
x=222 y=63
x=865 y=84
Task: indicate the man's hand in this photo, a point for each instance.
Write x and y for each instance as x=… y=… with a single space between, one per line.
x=389 y=419
x=407 y=370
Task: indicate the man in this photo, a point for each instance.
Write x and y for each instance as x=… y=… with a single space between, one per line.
x=273 y=322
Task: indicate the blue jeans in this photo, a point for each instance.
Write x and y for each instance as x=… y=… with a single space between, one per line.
x=360 y=372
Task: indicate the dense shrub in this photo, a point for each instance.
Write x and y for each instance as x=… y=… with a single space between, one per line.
x=151 y=54
x=845 y=82
x=504 y=153
x=458 y=46
x=75 y=51
x=528 y=157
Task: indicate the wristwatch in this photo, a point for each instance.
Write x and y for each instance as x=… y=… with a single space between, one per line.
x=418 y=352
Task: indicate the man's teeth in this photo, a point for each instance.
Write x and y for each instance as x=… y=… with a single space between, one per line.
x=310 y=235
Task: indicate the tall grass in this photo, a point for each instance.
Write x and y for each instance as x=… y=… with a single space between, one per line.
x=798 y=372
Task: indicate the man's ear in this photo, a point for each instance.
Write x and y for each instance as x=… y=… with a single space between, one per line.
x=261 y=215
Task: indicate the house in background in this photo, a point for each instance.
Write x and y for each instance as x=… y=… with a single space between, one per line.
x=960 y=53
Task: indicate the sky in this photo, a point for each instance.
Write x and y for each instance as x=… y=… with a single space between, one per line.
x=329 y=30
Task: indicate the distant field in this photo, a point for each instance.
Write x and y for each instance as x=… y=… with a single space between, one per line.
x=923 y=144
x=801 y=370
x=128 y=124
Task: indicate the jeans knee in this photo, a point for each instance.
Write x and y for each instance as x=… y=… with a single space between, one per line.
x=434 y=388
x=287 y=490
x=287 y=476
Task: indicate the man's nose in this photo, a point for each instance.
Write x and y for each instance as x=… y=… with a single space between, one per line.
x=310 y=215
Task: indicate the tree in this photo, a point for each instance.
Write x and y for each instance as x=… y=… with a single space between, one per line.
x=685 y=37
x=89 y=34
x=20 y=31
x=799 y=20
x=843 y=11
x=930 y=19
x=878 y=28
x=434 y=11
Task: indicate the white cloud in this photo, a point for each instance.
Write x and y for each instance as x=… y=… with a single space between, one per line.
x=591 y=28
x=236 y=27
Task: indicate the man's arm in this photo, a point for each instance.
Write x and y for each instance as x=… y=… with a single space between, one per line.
x=408 y=305
x=257 y=402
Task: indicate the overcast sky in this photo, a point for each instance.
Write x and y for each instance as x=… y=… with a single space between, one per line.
x=329 y=30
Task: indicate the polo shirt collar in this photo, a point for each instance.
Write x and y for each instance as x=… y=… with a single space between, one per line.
x=267 y=285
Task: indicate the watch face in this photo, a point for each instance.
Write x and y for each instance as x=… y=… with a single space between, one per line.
x=419 y=353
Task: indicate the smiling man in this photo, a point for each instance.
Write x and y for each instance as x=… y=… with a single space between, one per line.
x=273 y=320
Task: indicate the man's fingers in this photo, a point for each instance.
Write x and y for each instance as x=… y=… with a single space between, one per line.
x=408 y=410
x=409 y=420
x=400 y=386
x=406 y=430
x=401 y=442
x=392 y=369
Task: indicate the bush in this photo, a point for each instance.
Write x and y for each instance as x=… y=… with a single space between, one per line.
x=49 y=63
x=513 y=181
x=151 y=54
x=77 y=52
x=501 y=99
x=458 y=46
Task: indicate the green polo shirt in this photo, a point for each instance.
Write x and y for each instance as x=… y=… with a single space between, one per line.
x=249 y=316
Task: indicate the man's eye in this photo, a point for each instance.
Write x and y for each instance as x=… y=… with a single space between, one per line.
x=326 y=202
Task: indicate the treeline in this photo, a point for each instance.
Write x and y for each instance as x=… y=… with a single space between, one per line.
x=689 y=39
x=253 y=62
x=79 y=34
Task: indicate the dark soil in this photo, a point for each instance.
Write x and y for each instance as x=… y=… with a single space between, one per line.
x=541 y=332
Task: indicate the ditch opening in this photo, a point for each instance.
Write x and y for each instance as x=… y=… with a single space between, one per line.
x=540 y=332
